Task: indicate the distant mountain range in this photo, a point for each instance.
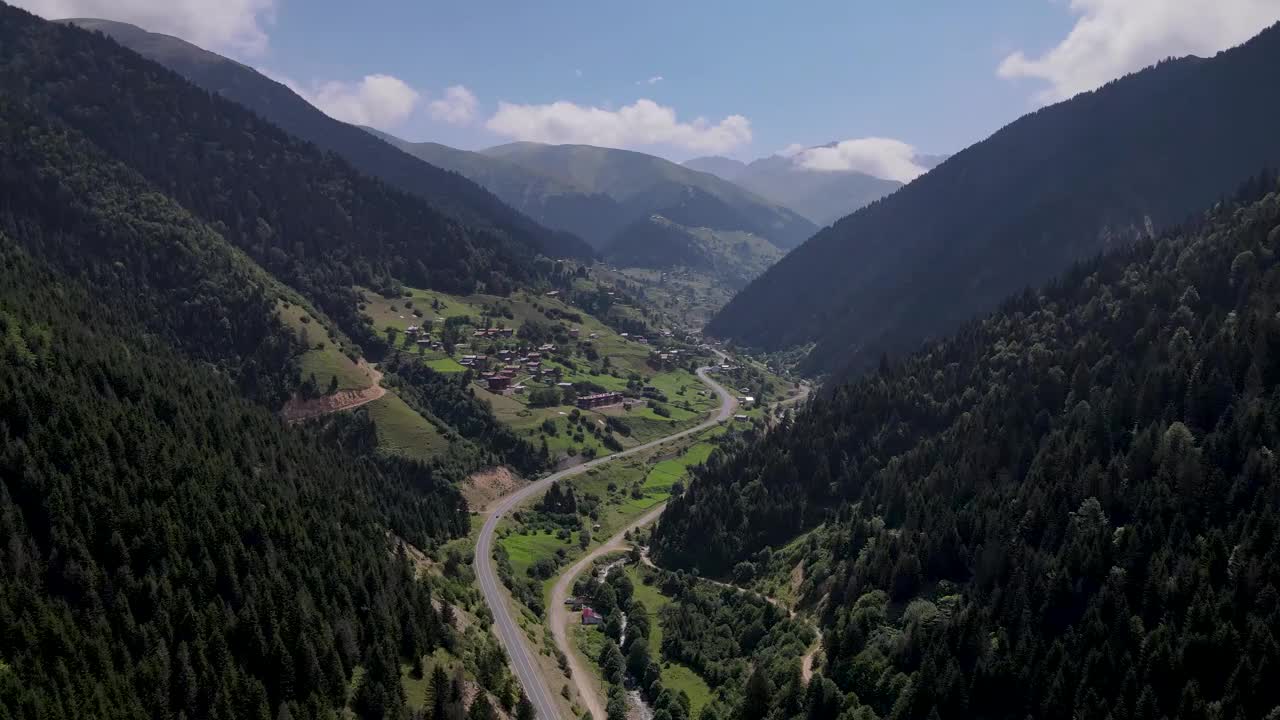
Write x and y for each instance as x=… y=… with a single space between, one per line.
x=636 y=209
x=822 y=196
x=1059 y=185
x=451 y=192
x=593 y=216
x=563 y=200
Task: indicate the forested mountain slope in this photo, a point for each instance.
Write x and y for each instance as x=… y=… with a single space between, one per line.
x=304 y=215
x=451 y=193
x=96 y=220
x=593 y=216
x=1056 y=186
x=172 y=549
x=1069 y=509
x=733 y=258
x=645 y=185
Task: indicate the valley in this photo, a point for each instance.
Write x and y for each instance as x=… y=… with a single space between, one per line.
x=333 y=394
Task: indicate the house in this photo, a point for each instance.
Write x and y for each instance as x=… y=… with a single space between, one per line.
x=574 y=332
x=591 y=617
x=739 y=417
x=586 y=402
x=574 y=603
x=498 y=383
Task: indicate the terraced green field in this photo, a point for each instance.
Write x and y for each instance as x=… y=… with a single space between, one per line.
x=324 y=358
x=403 y=431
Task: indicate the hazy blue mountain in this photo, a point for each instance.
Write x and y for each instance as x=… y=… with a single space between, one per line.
x=645 y=185
x=723 y=167
x=595 y=217
x=820 y=195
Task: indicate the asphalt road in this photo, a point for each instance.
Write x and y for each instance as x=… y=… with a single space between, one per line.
x=523 y=661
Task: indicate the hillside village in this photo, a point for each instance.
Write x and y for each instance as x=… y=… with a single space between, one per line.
x=560 y=376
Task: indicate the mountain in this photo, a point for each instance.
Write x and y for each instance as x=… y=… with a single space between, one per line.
x=306 y=216
x=822 y=196
x=595 y=217
x=722 y=167
x=172 y=547
x=733 y=257
x=1060 y=184
x=1065 y=510
x=645 y=185
x=313 y=230
x=448 y=191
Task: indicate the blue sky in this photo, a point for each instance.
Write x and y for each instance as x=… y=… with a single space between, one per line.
x=762 y=75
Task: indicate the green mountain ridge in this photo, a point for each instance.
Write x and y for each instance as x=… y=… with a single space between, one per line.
x=450 y=192
x=1057 y=185
x=595 y=217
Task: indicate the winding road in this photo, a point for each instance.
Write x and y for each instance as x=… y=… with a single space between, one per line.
x=523 y=661
x=583 y=678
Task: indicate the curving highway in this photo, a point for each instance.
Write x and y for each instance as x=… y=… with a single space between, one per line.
x=523 y=661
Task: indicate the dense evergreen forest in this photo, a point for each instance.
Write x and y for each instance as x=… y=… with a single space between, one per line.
x=173 y=550
x=1069 y=509
x=1055 y=187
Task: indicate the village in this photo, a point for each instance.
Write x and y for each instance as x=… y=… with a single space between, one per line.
x=556 y=374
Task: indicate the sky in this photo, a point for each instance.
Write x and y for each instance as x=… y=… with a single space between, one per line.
x=885 y=79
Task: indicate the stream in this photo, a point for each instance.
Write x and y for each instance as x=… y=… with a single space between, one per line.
x=639 y=707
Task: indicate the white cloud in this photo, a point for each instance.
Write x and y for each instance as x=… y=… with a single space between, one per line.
x=380 y=101
x=792 y=150
x=880 y=157
x=1114 y=37
x=457 y=107
x=651 y=81
x=642 y=123
x=235 y=26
